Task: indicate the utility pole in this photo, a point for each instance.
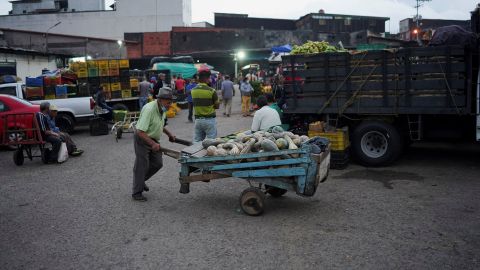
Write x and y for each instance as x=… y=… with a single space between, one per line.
x=418 y=17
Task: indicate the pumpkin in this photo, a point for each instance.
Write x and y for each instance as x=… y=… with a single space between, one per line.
x=281 y=143
x=221 y=152
x=277 y=129
x=211 y=150
x=239 y=146
x=269 y=146
x=297 y=142
x=228 y=146
x=234 y=151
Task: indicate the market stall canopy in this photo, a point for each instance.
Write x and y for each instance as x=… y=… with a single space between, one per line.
x=186 y=70
x=282 y=49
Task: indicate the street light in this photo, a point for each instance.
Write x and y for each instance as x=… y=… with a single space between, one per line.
x=120 y=44
x=240 y=55
x=46 y=35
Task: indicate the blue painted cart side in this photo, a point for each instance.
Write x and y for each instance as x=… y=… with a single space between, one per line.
x=296 y=170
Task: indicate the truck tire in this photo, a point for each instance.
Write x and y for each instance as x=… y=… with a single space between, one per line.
x=65 y=122
x=120 y=107
x=376 y=143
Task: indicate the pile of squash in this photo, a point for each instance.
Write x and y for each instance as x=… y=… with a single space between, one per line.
x=261 y=141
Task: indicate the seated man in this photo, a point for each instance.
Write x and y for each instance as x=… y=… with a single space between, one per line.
x=101 y=102
x=266 y=117
x=47 y=134
x=71 y=147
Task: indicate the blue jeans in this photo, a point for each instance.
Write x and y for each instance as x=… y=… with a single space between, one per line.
x=142 y=101
x=205 y=128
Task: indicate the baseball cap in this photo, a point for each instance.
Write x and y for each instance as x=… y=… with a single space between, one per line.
x=53 y=108
x=165 y=93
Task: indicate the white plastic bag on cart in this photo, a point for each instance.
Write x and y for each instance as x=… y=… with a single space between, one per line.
x=63 y=153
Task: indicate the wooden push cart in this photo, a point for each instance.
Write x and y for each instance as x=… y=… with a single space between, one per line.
x=23 y=132
x=274 y=173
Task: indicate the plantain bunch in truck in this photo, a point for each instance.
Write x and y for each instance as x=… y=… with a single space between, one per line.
x=121 y=89
x=386 y=99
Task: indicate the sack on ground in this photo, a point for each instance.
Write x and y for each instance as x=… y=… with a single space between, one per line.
x=62 y=153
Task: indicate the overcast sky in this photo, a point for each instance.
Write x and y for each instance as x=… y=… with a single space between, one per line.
x=202 y=10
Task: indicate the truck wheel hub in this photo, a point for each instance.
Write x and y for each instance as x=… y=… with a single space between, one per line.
x=374 y=144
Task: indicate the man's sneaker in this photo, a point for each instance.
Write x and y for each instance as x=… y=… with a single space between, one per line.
x=76 y=153
x=139 y=197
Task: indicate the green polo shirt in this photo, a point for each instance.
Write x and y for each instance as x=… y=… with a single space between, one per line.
x=204 y=100
x=151 y=121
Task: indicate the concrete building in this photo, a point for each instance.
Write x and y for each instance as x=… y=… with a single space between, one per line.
x=81 y=19
x=44 y=6
x=75 y=46
x=29 y=63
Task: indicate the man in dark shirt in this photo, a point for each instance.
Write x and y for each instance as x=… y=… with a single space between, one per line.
x=47 y=134
x=159 y=85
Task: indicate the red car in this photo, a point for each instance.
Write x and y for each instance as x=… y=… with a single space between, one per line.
x=12 y=105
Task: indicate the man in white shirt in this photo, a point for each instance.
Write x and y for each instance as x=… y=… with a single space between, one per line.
x=266 y=117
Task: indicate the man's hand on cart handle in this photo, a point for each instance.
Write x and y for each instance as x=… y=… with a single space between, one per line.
x=156 y=147
x=172 y=138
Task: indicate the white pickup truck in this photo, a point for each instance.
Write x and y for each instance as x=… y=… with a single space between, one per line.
x=70 y=110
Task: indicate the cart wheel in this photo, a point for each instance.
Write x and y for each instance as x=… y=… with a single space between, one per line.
x=119 y=133
x=18 y=157
x=275 y=192
x=252 y=201
x=45 y=155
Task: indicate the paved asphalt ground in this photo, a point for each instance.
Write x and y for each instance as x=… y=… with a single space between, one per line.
x=421 y=213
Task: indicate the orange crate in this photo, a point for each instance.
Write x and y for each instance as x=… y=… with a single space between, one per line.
x=113 y=72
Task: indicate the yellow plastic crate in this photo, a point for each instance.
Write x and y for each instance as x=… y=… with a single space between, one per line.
x=73 y=66
x=133 y=83
x=82 y=65
x=82 y=74
x=113 y=64
x=102 y=64
x=339 y=139
x=124 y=63
x=126 y=93
x=92 y=64
x=115 y=87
